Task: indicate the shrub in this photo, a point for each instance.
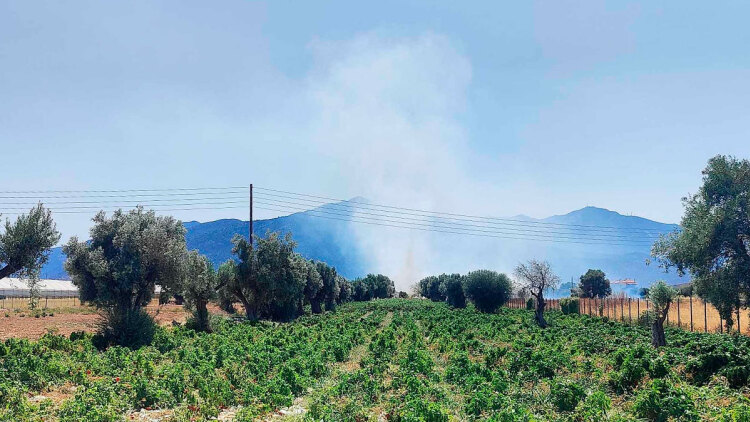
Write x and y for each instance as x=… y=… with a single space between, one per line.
x=593 y=408
x=570 y=305
x=451 y=287
x=487 y=290
x=530 y=304
x=566 y=394
x=661 y=400
x=131 y=328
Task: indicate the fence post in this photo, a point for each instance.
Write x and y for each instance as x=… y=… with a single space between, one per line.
x=691 y=313
x=630 y=312
x=622 y=309
x=705 y=317
x=739 y=330
x=679 y=322
x=638 y=310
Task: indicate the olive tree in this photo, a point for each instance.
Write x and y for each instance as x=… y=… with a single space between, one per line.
x=713 y=244
x=486 y=289
x=269 y=280
x=330 y=291
x=537 y=276
x=199 y=286
x=345 y=290
x=451 y=287
x=593 y=284
x=379 y=286
x=661 y=296
x=117 y=270
x=429 y=287
x=26 y=242
x=313 y=286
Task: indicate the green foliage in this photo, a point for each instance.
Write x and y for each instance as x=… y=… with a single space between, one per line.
x=530 y=304
x=128 y=254
x=118 y=269
x=451 y=286
x=566 y=394
x=329 y=293
x=132 y=328
x=486 y=289
x=570 y=305
x=372 y=286
x=661 y=401
x=198 y=287
x=430 y=287
x=401 y=360
x=714 y=239
x=269 y=280
x=26 y=242
x=593 y=284
x=313 y=286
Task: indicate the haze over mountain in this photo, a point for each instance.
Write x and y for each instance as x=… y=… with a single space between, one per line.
x=332 y=234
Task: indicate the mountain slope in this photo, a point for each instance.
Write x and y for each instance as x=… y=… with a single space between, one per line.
x=336 y=241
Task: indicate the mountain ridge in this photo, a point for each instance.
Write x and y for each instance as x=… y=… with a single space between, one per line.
x=334 y=240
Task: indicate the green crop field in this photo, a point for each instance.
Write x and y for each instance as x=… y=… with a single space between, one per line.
x=395 y=360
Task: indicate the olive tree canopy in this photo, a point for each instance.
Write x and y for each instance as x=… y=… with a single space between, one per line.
x=127 y=256
x=199 y=286
x=269 y=279
x=661 y=296
x=714 y=242
x=25 y=243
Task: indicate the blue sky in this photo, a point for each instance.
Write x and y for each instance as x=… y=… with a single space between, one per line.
x=536 y=108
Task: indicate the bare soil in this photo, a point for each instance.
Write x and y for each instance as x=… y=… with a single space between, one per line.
x=24 y=325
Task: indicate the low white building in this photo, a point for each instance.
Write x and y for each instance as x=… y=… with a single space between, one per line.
x=16 y=287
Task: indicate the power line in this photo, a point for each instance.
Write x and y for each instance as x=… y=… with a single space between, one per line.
x=475 y=227
x=486 y=224
x=125 y=190
x=119 y=201
x=555 y=240
x=133 y=206
x=461 y=215
x=129 y=208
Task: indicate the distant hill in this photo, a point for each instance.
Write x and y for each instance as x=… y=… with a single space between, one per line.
x=334 y=241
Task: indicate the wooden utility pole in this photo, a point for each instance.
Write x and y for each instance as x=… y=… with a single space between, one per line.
x=251 y=215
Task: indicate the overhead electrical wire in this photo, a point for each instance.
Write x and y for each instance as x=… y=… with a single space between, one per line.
x=480 y=229
x=215 y=198
x=337 y=206
x=456 y=214
x=354 y=219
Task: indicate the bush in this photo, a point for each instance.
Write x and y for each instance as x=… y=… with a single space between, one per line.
x=530 y=304
x=132 y=328
x=661 y=401
x=566 y=394
x=487 y=290
x=570 y=305
x=451 y=287
x=593 y=408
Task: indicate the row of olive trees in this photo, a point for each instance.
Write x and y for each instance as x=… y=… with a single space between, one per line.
x=130 y=253
x=488 y=290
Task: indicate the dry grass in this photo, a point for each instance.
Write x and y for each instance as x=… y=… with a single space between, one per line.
x=688 y=313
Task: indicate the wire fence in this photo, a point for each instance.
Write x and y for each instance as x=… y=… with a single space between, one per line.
x=689 y=313
x=49 y=299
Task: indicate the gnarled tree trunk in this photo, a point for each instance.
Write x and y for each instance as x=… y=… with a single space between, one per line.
x=539 y=312
x=657 y=329
x=315 y=306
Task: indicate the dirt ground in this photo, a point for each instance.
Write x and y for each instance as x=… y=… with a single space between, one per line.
x=73 y=319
